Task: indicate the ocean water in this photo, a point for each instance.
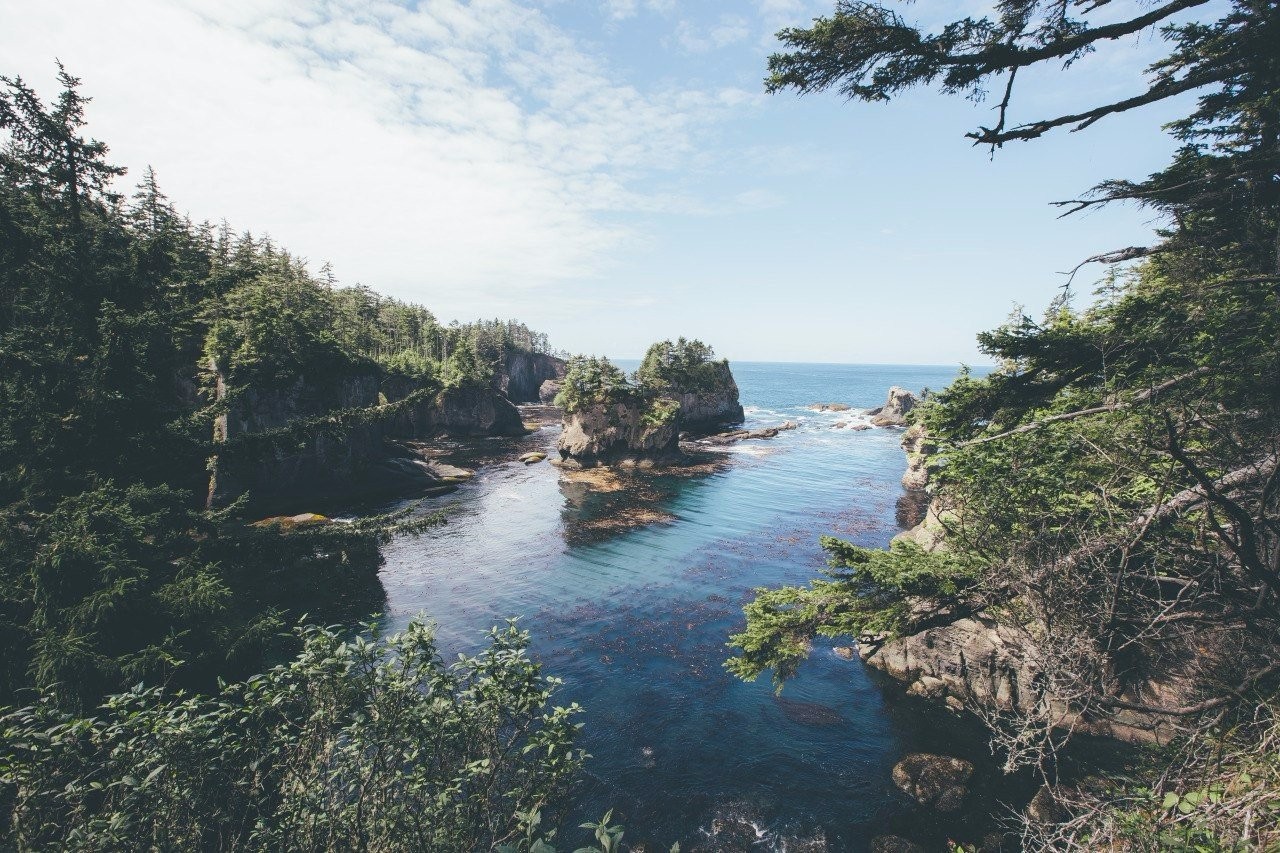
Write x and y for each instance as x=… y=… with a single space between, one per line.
x=631 y=587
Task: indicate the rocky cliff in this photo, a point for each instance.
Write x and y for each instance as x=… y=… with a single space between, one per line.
x=711 y=407
x=523 y=373
x=335 y=438
x=635 y=432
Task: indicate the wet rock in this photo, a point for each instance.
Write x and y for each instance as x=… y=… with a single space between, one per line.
x=828 y=407
x=531 y=458
x=935 y=781
x=734 y=436
x=894 y=844
x=895 y=408
x=845 y=652
x=859 y=426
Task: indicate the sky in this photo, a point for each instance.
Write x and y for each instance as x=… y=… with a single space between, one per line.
x=608 y=172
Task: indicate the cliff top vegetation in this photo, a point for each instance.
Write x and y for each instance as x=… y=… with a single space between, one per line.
x=684 y=366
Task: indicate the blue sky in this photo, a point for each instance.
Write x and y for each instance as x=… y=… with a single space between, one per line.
x=609 y=172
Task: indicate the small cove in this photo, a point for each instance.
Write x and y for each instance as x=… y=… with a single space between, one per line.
x=635 y=618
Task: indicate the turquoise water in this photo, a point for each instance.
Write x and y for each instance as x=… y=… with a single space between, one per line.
x=635 y=619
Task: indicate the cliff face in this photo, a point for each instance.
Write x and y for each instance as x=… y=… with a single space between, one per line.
x=524 y=372
x=708 y=410
x=356 y=458
x=618 y=434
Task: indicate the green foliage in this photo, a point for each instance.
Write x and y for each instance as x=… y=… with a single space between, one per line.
x=591 y=380
x=355 y=744
x=683 y=366
x=870 y=591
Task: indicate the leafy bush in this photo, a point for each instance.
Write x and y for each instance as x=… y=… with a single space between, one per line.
x=356 y=744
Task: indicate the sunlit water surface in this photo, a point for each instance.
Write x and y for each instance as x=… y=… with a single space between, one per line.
x=635 y=620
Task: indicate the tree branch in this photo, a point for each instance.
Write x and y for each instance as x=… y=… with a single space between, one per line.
x=1140 y=397
x=1158 y=92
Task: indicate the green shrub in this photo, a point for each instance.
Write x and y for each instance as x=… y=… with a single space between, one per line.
x=355 y=744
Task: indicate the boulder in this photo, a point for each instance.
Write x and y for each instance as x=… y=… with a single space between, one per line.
x=935 y=781
x=531 y=458
x=845 y=652
x=736 y=435
x=548 y=390
x=1044 y=807
x=895 y=408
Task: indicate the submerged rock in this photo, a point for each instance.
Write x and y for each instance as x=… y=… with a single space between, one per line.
x=935 y=781
x=895 y=408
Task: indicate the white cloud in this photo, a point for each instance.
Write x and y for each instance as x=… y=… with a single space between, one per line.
x=441 y=152
x=730 y=29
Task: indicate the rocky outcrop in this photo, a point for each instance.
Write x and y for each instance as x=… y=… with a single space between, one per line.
x=473 y=412
x=971 y=660
x=934 y=781
x=635 y=432
x=895 y=408
x=712 y=406
x=736 y=435
x=339 y=438
x=828 y=407
x=523 y=374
